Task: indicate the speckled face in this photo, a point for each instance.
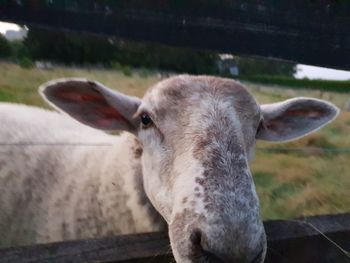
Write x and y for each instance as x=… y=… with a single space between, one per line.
x=195 y=165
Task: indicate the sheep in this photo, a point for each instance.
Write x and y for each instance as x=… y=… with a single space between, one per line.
x=181 y=163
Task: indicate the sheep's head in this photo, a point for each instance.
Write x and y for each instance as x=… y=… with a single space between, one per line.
x=197 y=134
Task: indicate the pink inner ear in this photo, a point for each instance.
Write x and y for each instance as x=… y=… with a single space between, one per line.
x=104 y=122
x=92 y=102
x=110 y=113
x=305 y=113
x=273 y=125
x=279 y=122
x=80 y=97
x=91 y=97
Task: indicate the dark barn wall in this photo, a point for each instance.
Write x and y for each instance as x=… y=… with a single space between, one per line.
x=310 y=32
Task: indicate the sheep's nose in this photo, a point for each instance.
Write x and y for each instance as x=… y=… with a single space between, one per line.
x=202 y=254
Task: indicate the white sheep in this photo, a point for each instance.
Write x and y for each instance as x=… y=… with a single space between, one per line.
x=182 y=163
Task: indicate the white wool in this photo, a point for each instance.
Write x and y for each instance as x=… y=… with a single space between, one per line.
x=63 y=160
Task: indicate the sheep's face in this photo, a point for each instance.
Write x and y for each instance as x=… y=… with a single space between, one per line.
x=197 y=135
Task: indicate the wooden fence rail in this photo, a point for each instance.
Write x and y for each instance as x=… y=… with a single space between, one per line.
x=289 y=241
x=310 y=32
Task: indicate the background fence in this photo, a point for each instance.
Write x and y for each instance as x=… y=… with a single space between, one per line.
x=308 y=32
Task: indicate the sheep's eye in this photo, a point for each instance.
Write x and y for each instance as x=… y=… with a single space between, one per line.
x=146 y=120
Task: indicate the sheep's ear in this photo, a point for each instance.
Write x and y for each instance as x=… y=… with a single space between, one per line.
x=294 y=118
x=92 y=103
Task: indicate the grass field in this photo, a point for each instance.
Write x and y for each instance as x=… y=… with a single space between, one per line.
x=290 y=184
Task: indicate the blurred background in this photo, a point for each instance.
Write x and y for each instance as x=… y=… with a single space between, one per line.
x=306 y=177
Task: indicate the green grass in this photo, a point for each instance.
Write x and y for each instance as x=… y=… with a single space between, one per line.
x=289 y=184
x=20 y=85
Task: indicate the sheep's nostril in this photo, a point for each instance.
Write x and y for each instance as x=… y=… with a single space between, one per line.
x=196 y=240
x=199 y=252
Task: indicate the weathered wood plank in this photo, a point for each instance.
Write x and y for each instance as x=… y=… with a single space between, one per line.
x=309 y=32
x=301 y=241
x=288 y=241
x=128 y=247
